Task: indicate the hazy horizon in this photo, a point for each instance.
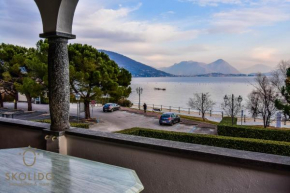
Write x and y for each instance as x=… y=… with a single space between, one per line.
x=158 y=34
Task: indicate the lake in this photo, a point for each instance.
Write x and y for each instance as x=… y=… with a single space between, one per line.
x=180 y=89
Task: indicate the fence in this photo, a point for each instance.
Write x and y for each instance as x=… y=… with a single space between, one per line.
x=213 y=115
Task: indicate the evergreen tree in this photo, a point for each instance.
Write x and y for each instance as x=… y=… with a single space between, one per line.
x=30 y=88
x=12 y=60
x=93 y=74
x=22 y=70
x=284 y=103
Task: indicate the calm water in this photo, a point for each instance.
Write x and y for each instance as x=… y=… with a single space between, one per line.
x=180 y=89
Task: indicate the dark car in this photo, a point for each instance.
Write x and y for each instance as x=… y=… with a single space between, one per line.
x=169 y=119
x=110 y=107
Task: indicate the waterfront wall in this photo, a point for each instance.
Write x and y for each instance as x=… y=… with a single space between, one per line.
x=17 y=133
x=162 y=166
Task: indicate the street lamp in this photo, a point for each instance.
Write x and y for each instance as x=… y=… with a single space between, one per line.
x=57 y=19
x=139 y=91
x=240 y=99
x=226 y=100
x=45 y=94
x=107 y=97
x=78 y=98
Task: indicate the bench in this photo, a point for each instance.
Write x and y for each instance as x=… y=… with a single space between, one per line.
x=156 y=109
x=8 y=114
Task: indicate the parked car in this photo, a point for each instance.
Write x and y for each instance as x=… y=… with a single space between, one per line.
x=110 y=107
x=169 y=119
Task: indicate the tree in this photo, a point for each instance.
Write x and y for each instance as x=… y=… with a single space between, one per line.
x=36 y=80
x=284 y=103
x=262 y=99
x=1 y=94
x=253 y=103
x=279 y=75
x=12 y=59
x=93 y=74
x=278 y=81
x=30 y=88
x=23 y=70
x=201 y=102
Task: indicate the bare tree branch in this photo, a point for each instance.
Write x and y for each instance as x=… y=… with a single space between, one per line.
x=201 y=102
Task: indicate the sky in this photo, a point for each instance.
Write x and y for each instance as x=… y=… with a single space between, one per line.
x=161 y=33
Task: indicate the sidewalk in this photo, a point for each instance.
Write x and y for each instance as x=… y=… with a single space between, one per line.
x=214 y=116
x=158 y=114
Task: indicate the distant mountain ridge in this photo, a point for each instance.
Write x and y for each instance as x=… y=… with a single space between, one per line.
x=218 y=68
x=258 y=68
x=192 y=68
x=186 y=67
x=137 y=69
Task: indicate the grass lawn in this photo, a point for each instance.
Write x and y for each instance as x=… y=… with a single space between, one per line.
x=198 y=119
x=73 y=124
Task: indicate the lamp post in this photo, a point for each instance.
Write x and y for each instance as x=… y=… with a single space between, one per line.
x=202 y=103
x=57 y=19
x=45 y=94
x=107 y=97
x=139 y=91
x=226 y=99
x=78 y=98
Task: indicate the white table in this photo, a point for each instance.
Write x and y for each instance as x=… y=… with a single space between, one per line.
x=26 y=170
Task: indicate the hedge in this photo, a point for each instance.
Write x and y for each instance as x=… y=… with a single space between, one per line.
x=79 y=125
x=255 y=145
x=228 y=121
x=225 y=128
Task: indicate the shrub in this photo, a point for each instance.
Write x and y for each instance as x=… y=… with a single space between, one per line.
x=125 y=103
x=256 y=145
x=228 y=120
x=79 y=125
x=226 y=129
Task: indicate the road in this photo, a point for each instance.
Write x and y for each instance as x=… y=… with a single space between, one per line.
x=120 y=120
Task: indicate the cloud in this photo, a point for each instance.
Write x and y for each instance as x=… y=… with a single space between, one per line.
x=212 y=2
x=152 y=42
x=105 y=28
x=176 y=35
x=117 y=25
x=264 y=53
x=167 y=14
x=245 y=19
x=20 y=22
x=235 y=2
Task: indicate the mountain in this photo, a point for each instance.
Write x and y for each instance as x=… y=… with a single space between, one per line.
x=257 y=68
x=191 y=68
x=137 y=69
x=220 y=75
x=221 y=66
x=187 y=68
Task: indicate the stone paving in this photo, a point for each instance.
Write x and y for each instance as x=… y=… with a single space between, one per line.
x=116 y=121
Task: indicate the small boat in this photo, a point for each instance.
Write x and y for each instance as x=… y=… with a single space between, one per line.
x=159 y=88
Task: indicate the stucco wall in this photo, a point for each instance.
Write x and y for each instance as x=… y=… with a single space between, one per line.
x=162 y=166
x=168 y=172
x=15 y=136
